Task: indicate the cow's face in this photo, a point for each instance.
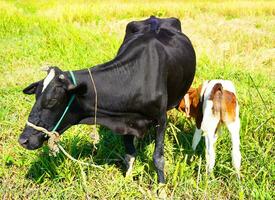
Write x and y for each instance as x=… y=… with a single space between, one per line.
x=52 y=96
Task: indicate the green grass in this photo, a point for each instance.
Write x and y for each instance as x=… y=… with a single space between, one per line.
x=233 y=40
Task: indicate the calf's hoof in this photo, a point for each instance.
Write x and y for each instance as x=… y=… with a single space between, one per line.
x=238 y=174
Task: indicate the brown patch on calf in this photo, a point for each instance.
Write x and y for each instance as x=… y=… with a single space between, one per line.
x=224 y=103
x=229 y=104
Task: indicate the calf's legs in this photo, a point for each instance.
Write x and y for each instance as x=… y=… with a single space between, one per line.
x=234 y=128
x=210 y=150
x=196 y=138
x=209 y=126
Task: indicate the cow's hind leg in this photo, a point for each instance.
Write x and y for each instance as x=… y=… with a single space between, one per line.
x=130 y=153
x=158 y=156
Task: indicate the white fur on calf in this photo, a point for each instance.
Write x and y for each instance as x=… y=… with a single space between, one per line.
x=234 y=129
x=218 y=105
x=196 y=138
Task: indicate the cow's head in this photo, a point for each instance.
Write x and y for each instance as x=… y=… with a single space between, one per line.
x=52 y=95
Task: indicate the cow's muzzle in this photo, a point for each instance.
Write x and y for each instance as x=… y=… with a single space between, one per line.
x=31 y=139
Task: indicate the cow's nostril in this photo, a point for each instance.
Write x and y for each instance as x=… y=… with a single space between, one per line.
x=23 y=140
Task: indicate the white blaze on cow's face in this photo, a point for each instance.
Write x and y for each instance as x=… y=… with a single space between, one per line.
x=48 y=79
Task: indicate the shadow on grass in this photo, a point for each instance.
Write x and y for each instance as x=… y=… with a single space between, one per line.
x=183 y=130
x=104 y=152
x=109 y=151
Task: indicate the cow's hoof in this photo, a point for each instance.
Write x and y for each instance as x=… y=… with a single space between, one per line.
x=162 y=191
x=129 y=161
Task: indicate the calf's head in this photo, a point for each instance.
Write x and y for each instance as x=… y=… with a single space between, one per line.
x=52 y=95
x=191 y=102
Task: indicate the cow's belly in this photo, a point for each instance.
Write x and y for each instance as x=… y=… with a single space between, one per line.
x=126 y=125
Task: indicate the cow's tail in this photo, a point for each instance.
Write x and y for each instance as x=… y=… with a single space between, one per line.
x=216 y=97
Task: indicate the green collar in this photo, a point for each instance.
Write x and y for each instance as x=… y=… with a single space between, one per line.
x=69 y=104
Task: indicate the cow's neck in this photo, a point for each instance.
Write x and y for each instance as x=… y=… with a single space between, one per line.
x=105 y=79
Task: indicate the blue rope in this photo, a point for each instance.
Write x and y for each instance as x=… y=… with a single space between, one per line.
x=69 y=104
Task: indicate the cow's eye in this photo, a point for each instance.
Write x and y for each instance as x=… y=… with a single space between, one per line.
x=53 y=98
x=52 y=103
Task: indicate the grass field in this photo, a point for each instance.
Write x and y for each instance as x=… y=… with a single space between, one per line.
x=233 y=40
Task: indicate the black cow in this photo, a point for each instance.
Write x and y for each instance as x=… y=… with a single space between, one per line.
x=153 y=69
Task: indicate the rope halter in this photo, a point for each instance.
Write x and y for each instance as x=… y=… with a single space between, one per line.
x=54 y=136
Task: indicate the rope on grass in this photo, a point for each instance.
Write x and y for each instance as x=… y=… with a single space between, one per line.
x=78 y=161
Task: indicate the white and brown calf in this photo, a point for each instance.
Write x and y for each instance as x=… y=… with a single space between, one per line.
x=212 y=103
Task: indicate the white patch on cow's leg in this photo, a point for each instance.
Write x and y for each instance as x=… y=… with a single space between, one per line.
x=161 y=191
x=129 y=159
x=196 y=138
x=48 y=79
x=234 y=128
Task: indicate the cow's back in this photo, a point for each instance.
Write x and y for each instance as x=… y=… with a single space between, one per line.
x=180 y=59
x=150 y=67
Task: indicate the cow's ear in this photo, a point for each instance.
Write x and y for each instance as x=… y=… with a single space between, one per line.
x=31 y=89
x=78 y=89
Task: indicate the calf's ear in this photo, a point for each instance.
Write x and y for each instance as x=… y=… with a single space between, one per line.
x=187 y=104
x=31 y=88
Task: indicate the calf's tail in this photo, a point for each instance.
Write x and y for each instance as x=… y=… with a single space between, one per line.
x=216 y=96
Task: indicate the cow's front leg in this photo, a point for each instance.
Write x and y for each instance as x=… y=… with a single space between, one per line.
x=130 y=153
x=158 y=156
